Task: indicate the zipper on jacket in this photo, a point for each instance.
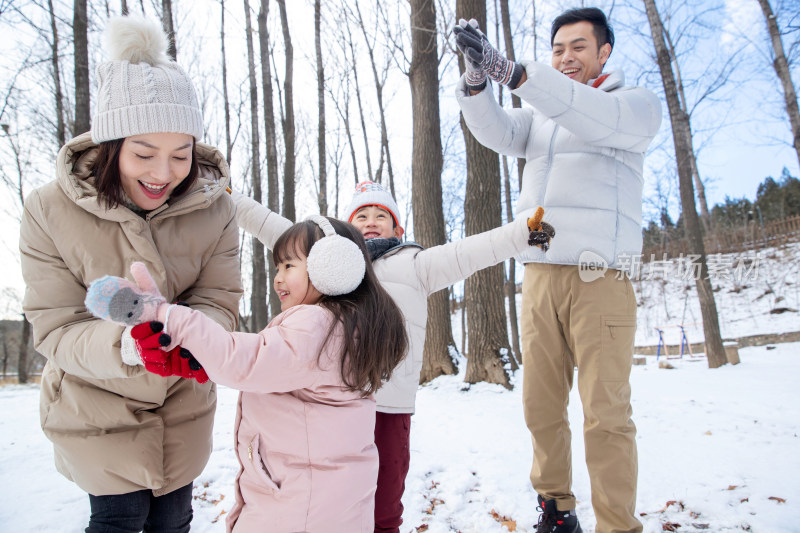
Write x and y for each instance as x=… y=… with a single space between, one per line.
x=250 y=449
x=550 y=156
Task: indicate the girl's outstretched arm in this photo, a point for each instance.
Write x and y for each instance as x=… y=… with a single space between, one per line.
x=281 y=358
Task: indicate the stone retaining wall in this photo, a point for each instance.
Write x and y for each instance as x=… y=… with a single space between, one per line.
x=750 y=340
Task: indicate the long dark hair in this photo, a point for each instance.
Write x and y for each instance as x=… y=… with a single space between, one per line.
x=374 y=337
x=108 y=181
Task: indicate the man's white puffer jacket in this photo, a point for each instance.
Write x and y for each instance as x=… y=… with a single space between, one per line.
x=584 y=149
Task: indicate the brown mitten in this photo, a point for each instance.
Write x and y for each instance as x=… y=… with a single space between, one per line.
x=541 y=232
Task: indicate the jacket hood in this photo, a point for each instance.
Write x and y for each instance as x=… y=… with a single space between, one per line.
x=73 y=174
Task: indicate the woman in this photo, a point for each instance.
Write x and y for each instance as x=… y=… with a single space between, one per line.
x=138 y=187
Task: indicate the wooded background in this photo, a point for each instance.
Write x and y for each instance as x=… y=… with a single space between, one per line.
x=306 y=99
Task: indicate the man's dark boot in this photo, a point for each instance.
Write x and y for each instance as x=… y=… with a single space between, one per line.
x=554 y=521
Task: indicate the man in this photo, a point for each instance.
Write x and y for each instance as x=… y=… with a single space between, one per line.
x=584 y=139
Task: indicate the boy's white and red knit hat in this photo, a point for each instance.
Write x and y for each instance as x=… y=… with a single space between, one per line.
x=371 y=193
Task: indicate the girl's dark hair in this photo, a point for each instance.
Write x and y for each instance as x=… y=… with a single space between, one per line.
x=602 y=30
x=108 y=181
x=374 y=337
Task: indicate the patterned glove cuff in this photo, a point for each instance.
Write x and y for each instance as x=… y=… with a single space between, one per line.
x=506 y=73
x=127 y=348
x=516 y=74
x=475 y=81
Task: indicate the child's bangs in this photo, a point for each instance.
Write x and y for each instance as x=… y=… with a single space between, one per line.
x=294 y=243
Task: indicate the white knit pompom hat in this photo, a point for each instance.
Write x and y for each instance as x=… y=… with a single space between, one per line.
x=335 y=264
x=141 y=89
x=371 y=193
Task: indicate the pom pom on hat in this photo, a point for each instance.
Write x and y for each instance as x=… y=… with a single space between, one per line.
x=140 y=89
x=371 y=193
x=136 y=40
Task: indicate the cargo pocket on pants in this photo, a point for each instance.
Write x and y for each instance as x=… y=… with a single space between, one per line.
x=617 y=348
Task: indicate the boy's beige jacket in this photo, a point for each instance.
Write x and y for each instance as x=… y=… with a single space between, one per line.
x=117 y=428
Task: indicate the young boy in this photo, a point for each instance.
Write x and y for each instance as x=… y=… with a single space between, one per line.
x=409 y=274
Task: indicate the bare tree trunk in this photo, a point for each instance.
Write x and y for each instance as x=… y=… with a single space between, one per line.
x=169 y=28
x=781 y=66
x=22 y=359
x=681 y=134
x=426 y=179
x=509 y=42
x=344 y=114
x=288 y=125
x=61 y=127
x=510 y=283
x=354 y=61
x=464 y=326
x=81 y=53
x=379 y=84
x=5 y=353
x=705 y=216
x=226 y=101
x=124 y=7
x=273 y=177
x=258 y=296
x=337 y=154
x=486 y=319
x=323 y=179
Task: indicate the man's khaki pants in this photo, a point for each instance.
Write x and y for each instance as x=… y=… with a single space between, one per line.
x=567 y=322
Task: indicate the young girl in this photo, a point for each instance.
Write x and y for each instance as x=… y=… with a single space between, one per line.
x=409 y=274
x=138 y=187
x=306 y=416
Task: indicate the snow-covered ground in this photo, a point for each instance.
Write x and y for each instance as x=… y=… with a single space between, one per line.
x=721 y=445
x=718 y=449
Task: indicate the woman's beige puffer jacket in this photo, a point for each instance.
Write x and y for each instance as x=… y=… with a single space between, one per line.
x=118 y=428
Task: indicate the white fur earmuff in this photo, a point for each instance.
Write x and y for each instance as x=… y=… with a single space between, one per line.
x=335 y=264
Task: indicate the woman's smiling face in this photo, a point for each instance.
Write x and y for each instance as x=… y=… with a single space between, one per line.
x=152 y=165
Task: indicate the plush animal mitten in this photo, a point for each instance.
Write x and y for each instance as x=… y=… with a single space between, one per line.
x=541 y=232
x=124 y=302
x=150 y=341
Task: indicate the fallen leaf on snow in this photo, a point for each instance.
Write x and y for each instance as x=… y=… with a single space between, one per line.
x=670 y=526
x=670 y=503
x=432 y=506
x=510 y=524
x=776 y=499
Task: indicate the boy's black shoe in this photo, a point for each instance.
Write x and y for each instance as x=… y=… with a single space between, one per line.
x=554 y=521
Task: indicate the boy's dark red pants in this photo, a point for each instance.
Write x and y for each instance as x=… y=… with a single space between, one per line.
x=392 y=432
